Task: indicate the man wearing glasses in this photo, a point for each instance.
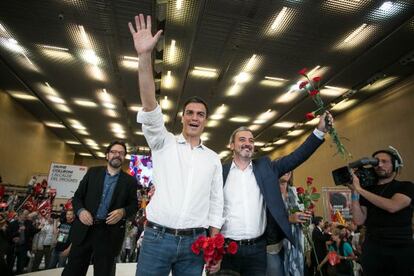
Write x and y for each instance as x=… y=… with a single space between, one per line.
x=105 y=198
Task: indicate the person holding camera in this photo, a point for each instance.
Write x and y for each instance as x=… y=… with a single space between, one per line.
x=386 y=209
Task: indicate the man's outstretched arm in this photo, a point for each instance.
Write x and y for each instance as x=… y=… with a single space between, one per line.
x=144 y=43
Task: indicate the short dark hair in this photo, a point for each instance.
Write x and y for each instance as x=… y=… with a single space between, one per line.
x=317 y=220
x=196 y=99
x=395 y=159
x=116 y=142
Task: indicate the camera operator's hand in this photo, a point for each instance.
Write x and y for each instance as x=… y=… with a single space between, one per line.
x=325 y=122
x=355 y=186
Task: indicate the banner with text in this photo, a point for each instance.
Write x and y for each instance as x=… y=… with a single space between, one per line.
x=65 y=178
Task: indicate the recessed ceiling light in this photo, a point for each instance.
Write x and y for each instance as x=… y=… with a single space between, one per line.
x=166 y=104
x=284 y=124
x=355 y=33
x=111 y=113
x=56 y=99
x=239 y=119
x=259 y=143
x=54 y=125
x=82 y=132
x=344 y=104
x=386 y=6
x=139 y=133
x=280 y=142
x=242 y=77
x=63 y=108
x=135 y=108
x=296 y=132
x=109 y=105
x=213 y=123
x=130 y=58
x=85 y=154
x=22 y=96
x=85 y=103
x=270 y=148
x=72 y=142
x=279 y=19
x=55 y=48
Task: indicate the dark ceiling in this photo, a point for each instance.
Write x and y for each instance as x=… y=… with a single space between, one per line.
x=359 y=48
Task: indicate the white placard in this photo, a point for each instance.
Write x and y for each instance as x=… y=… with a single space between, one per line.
x=65 y=178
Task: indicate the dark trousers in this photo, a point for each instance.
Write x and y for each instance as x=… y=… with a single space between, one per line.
x=94 y=246
x=39 y=256
x=379 y=259
x=250 y=260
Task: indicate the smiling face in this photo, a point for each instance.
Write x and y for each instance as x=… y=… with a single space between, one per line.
x=116 y=156
x=243 y=144
x=194 y=119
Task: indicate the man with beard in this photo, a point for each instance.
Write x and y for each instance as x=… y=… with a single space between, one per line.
x=105 y=198
x=254 y=211
x=386 y=209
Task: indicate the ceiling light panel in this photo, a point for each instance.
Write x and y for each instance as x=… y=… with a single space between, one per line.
x=284 y=124
x=344 y=7
x=280 y=21
x=22 y=96
x=358 y=36
x=85 y=103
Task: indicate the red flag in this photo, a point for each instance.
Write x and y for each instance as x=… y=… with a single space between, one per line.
x=44 y=208
x=68 y=205
x=30 y=204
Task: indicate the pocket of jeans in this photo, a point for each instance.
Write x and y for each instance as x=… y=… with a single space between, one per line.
x=151 y=235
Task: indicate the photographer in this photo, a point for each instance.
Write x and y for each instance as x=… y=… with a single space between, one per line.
x=386 y=209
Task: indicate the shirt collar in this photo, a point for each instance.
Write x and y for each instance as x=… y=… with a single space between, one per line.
x=108 y=174
x=181 y=140
x=234 y=165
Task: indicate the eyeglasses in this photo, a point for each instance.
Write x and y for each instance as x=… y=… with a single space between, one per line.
x=115 y=152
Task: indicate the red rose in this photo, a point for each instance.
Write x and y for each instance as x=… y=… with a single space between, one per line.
x=195 y=248
x=310 y=116
x=311 y=206
x=309 y=180
x=303 y=84
x=314 y=190
x=314 y=92
x=303 y=71
x=232 y=248
x=217 y=256
x=317 y=79
x=300 y=190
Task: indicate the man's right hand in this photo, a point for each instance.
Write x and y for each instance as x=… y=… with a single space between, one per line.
x=85 y=217
x=144 y=42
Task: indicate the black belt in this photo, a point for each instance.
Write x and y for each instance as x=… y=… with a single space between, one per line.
x=176 y=232
x=247 y=241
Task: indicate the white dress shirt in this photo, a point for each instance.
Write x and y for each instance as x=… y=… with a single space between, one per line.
x=188 y=181
x=244 y=207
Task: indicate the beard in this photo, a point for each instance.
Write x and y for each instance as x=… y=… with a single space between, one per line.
x=382 y=174
x=115 y=162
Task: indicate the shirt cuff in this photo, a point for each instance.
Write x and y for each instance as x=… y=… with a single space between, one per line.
x=149 y=117
x=318 y=133
x=216 y=222
x=79 y=211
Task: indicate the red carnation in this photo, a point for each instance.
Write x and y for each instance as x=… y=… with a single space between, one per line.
x=300 y=190
x=232 y=248
x=310 y=115
x=219 y=241
x=317 y=79
x=309 y=180
x=314 y=92
x=303 y=71
x=195 y=248
x=303 y=84
x=314 y=190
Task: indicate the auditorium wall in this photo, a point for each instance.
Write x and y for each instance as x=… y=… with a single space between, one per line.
x=27 y=146
x=385 y=119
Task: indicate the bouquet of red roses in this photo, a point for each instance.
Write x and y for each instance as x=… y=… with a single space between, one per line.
x=213 y=248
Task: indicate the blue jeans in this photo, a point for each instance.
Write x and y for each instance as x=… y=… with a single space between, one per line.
x=275 y=264
x=161 y=253
x=250 y=260
x=56 y=259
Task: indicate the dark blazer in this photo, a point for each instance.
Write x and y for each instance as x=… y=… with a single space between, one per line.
x=319 y=240
x=88 y=196
x=267 y=175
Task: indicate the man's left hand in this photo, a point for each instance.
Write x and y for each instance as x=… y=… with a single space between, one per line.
x=213 y=268
x=325 y=122
x=115 y=216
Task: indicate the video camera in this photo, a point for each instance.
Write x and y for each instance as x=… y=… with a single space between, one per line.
x=364 y=171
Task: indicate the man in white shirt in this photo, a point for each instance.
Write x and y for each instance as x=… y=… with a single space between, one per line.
x=187 y=175
x=254 y=211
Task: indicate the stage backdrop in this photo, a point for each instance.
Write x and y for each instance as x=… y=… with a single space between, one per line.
x=65 y=178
